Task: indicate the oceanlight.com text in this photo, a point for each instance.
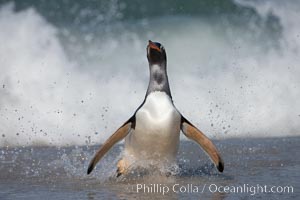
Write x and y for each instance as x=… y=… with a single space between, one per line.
x=250 y=189
x=213 y=188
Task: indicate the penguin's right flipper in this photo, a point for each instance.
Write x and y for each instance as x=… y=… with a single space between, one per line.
x=195 y=134
x=121 y=133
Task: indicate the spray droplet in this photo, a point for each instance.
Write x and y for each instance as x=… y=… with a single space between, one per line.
x=3 y=135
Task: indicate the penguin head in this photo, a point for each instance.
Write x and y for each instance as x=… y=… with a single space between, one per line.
x=156 y=53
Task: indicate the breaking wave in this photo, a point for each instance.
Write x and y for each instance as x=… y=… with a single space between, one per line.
x=75 y=83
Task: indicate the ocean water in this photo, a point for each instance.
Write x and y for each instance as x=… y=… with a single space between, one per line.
x=73 y=71
x=60 y=173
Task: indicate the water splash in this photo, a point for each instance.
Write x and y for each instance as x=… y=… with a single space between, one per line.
x=60 y=86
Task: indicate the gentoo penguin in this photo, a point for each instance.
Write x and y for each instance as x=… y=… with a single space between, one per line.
x=152 y=133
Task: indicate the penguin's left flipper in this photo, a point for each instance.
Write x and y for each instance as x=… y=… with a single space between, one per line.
x=121 y=133
x=195 y=134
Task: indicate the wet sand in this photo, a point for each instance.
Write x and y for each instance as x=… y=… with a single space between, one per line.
x=252 y=168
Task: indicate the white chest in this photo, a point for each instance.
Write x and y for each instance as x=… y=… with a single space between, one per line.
x=157 y=114
x=157 y=129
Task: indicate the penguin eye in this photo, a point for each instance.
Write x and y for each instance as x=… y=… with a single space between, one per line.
x=158 y=44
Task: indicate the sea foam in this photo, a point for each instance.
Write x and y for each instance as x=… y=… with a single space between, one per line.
x=229 y=82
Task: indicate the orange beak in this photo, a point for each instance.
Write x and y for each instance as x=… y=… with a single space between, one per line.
x=152 y=45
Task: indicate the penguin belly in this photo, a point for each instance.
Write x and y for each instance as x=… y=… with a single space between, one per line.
x=156 y=133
